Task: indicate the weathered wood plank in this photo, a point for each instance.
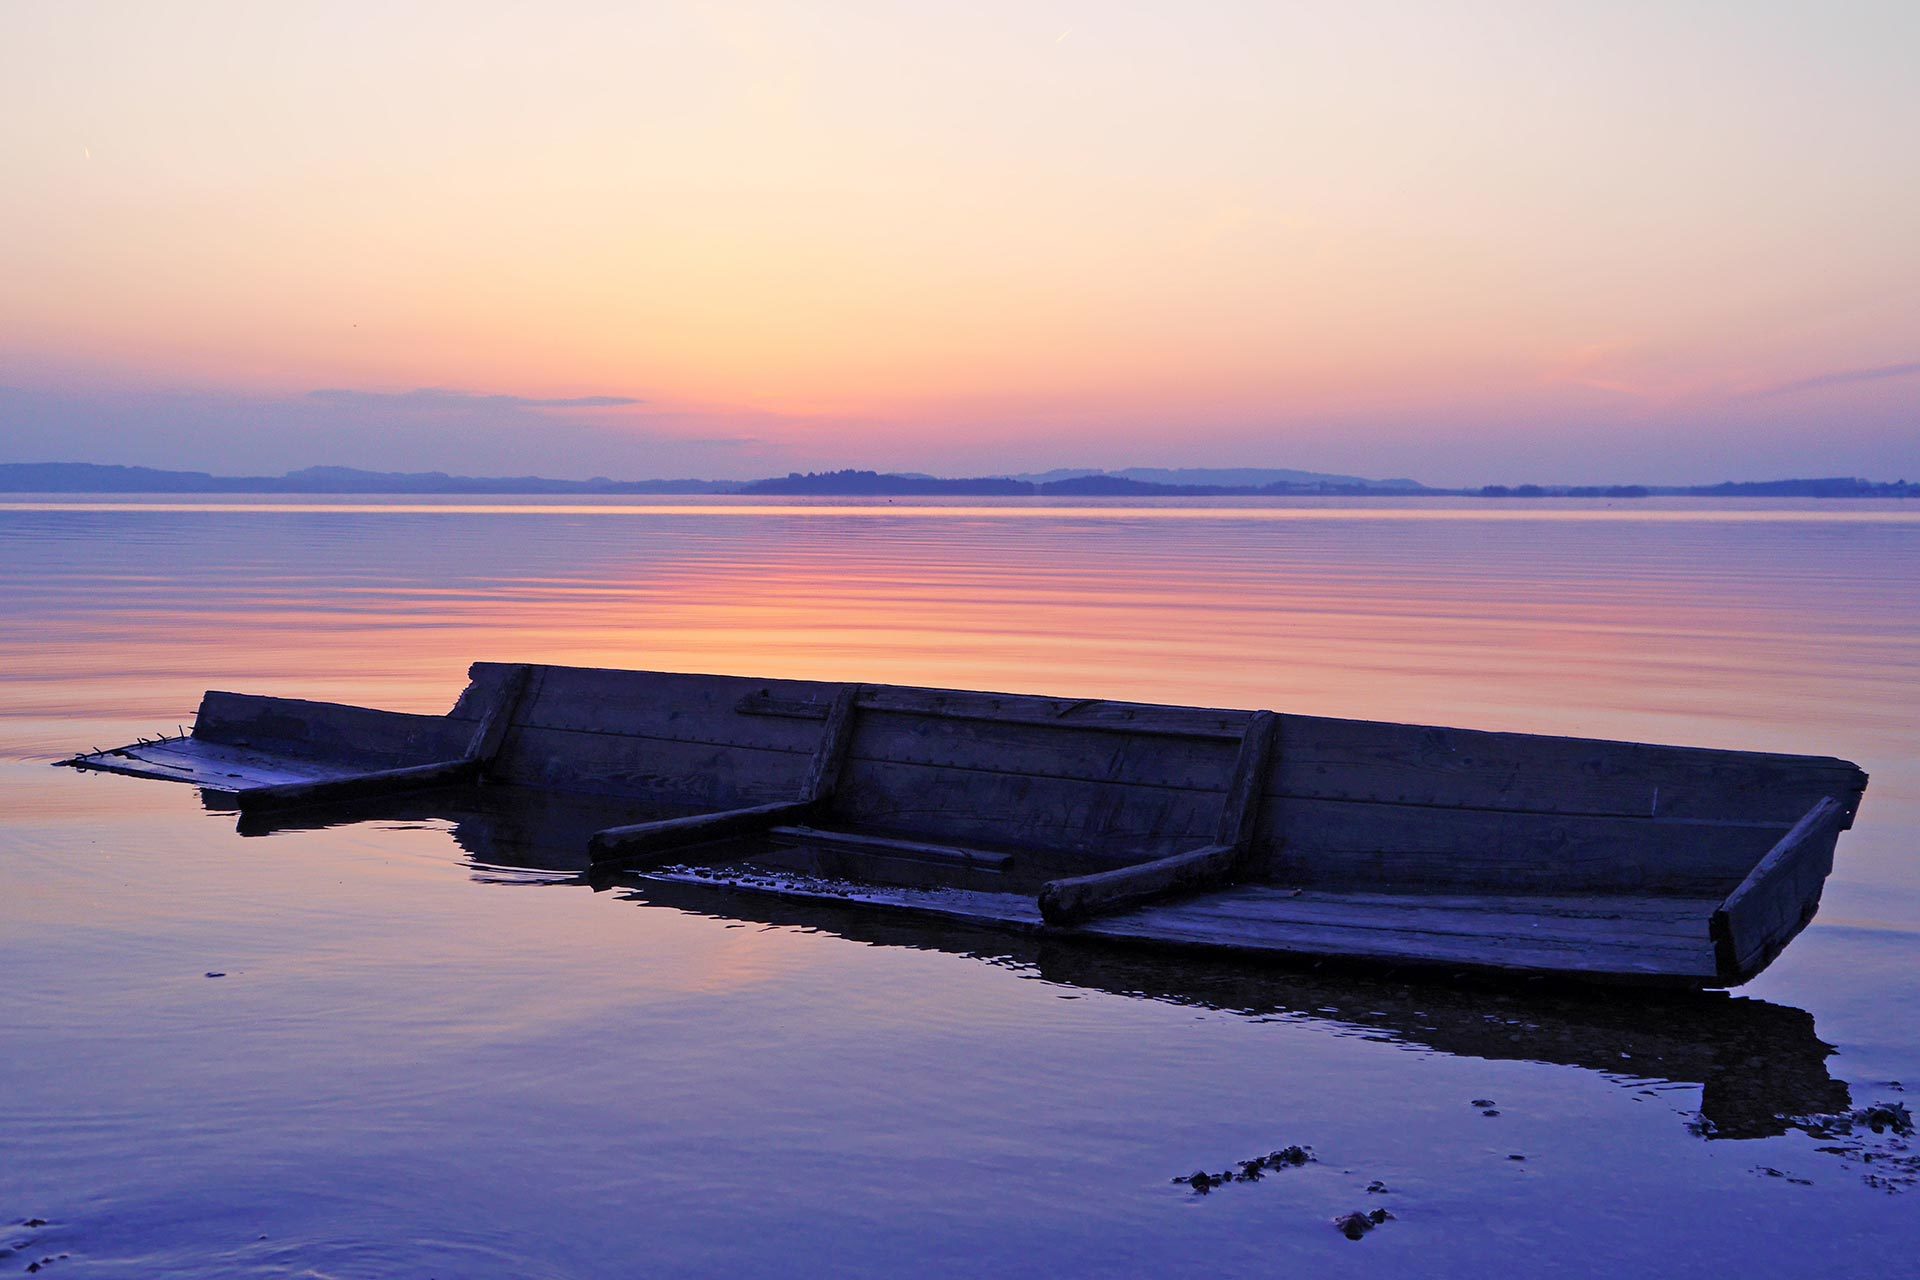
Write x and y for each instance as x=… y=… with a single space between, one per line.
x=1044 y=750
x=1778 y=899
x=1112 y=822
x=1093 y=714
x=1466 y=768
x=1180 y=924
x=1327 y=844
x=213 y=766
x=328 y=730
x=695 y=774
x=858 y=842
x=1188 y=921
x=357 y=786
x=1014 y=911
x=670 y=706
x=823 y=774
x=1073 y=899
x=651 y=843
x=1412 y=912
x=491 y=732
x=1240 y=814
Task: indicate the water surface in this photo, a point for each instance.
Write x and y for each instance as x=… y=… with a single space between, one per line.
x=429 y=1056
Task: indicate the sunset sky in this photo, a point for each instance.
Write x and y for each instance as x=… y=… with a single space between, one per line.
x=1466 y=242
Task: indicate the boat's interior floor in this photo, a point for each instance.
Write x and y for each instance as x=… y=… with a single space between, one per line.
x=1634 y=935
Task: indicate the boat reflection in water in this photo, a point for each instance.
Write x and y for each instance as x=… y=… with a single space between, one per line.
x=1759 y=1065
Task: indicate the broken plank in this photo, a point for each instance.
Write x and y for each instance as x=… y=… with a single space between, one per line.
x=491 y=733
x=329 y=730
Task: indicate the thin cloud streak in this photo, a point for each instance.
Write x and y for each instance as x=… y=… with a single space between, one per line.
x=1843 y=378
x=445 y=398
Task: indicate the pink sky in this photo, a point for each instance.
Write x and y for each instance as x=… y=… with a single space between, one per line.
x=1463 y=242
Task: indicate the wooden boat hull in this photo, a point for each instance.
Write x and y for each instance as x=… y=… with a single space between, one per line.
x=1250 y=832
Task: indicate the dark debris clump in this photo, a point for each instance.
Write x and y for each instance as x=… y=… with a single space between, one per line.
x=1356 y=1224
x=1248 y=1171
x=1875 y=1139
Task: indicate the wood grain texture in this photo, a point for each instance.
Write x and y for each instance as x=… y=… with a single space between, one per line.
x=1093 y=714
x=495 y=723
x=1469 y=824
x=1109 y=822
x=1324 y=844
x=823 y=773
x=696 y=774
x=213 y=766
x=1241 y=921
x=1049 y=750
x=1779 y=898
x=329 y=730
x=1072 y=899
x=1385 y=763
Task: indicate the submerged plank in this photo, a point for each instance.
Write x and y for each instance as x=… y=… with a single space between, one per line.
x=1199 y=923
x=211 y=765
x=647 y=843
x=889 y=846
x=379 y=782
x=1076 y=898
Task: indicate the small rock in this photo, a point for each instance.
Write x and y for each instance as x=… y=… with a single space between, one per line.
x=211 y=973
x=34 y=1222
x=1353 y=1225
x=1378 y=1216
x=1377 y=1187
x=1490 y=1112
x=1882 y=1116
x=1516 y=1157
x=1483 y=1102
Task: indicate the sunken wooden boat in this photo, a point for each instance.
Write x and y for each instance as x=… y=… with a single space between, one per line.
x=1243 y=831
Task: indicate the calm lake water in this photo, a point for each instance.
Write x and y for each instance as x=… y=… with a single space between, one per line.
x=427 y=1057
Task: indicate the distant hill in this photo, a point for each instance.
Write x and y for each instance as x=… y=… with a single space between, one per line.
x=883 y=484
x=1227 y=478
x=1067 y=484
x=1133 y=482
x=1830 y=487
